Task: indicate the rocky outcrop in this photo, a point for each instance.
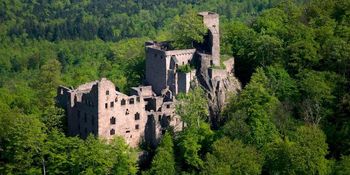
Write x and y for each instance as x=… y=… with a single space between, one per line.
x=218 y=83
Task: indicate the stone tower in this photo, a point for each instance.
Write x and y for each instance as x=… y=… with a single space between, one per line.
x=212 y=40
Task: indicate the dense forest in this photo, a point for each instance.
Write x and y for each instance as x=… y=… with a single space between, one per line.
x=291 y=117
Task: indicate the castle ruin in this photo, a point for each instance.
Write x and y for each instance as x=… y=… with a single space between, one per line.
x=143 y=116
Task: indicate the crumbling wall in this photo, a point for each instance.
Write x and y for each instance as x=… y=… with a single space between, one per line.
x=218 y=85
x=156 y=69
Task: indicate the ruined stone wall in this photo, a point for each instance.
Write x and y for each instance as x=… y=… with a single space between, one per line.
x=211 y=21
x=97 y=108
x=229 y=66
x=85 y=113
x=144 y=91
x=156 y=69
x=184 y=80
x=65 y=100
x=183 y=56
x=177 y=58
x=217 y=73
x=120 y=114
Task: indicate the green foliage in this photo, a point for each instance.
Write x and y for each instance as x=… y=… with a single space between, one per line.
x=186 y=29
x=281 y=84
x=26 y=149
x=338 y=130
x=317 y=89
x=303 y=154
x=301 y=46
x=192 y=143
x=184 y=69
x=192 y=107
x=48 y=80
x=22 y=139
x=343 y=166
x=257 y=107
x=164 y=161
x=232 y=157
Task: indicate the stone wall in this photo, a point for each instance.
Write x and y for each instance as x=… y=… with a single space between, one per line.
x=98 y=109
x=211 y=21
x=229 y=66
x=184 y=81
x=217 y=73
x=161 y=66
x=156 y=69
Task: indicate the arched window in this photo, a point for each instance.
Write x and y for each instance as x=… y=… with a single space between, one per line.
x=123 y=102
x=131 y=101
x=137 y=116
x=112 y=132
x=112 y=121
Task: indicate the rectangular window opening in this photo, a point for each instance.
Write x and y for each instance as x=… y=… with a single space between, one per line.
x=131 y=101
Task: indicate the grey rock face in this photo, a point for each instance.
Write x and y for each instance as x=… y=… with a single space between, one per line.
x=218 y=85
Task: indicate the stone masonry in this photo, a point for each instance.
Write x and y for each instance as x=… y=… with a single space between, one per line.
x=143 y=116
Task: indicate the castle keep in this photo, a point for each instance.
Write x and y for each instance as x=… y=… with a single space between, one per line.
x=144 y=115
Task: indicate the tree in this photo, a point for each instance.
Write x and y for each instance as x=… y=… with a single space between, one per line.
x=54 y=119
x=95 y=156
x=342 y=167
x=58 y=149
x=237 y=39
x=302 y=54
x=192 y=107
x=21 y=143
x=338 y=128
x=280 y=84
x=187 y=29
x=125 y=158
x=163 y=162
x=232 y=157
x=268 y=50
x=317 y=90
x=258 y=105
x=305 y=153
x=48 y=81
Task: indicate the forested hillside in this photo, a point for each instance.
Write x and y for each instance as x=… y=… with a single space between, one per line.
x=292 y=116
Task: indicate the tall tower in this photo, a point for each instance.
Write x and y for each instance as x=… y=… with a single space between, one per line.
x=211 y=21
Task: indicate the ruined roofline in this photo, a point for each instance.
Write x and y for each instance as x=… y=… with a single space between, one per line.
x=87 y=87
x=208 y=14
x=167 y=51
x=166 y=47
x=163 y=45
x=180 y=52
x=65 y=87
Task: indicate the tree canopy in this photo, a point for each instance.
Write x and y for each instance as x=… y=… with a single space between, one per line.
x=291 y=117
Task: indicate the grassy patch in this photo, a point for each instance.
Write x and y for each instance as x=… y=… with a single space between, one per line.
x=184 y=68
